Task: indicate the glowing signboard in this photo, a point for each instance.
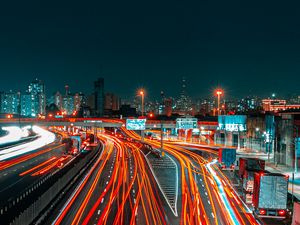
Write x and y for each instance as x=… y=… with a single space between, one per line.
x=232 y=123
x=186 y=123
x=136 y=124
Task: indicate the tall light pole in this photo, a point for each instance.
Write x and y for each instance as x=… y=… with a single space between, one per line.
x=219 y=92
x=295 y=162
x=296 y=148
x=142 y=93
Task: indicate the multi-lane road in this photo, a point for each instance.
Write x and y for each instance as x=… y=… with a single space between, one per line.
x=118 y=189
x=126 y=184
x=122 y=188
x=206 y=196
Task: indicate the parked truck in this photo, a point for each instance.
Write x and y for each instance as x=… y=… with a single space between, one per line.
x=250 y=164
x=227 y=158
x=248 y=185
x=270 y=195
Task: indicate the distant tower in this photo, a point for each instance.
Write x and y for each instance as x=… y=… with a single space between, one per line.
x=184 y=102
x=67 y=89
x=161 y=108
x=162 y=95
x=183 y=86
x=99 y=96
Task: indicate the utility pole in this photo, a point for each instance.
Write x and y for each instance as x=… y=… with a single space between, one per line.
x=293 y=180
x=161 y=136
x=275 y=150
x=239 y=144
x=296 y=148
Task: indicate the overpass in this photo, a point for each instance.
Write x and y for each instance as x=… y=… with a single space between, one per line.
x=98 y=122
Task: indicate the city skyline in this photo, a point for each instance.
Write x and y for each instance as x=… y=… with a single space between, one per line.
x=75 y=44
x=150 y=94
x=150 y=113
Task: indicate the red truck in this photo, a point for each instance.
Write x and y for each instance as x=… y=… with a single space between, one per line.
x=270 y=195
x=248 y=185
x=250 y=164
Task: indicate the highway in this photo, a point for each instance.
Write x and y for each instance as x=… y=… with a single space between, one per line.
x=206 y=196
x=118 y=189
x=126 y=184
x=23 y=164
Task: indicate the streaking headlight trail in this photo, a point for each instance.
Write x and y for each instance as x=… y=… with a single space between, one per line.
x=45 y=138
x=13 y=134
x=222 y=193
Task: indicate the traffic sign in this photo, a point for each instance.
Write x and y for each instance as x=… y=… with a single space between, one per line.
x=186 y=123
x=136 y=124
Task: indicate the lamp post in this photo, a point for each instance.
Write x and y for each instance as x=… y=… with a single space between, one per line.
x=258 y=137
x=296 y=146
x=142 y=93
x=295 y=162
x=219 y=92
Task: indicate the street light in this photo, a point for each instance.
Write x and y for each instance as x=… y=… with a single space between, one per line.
x=295 y=162
x=142 y=94
x=219 y=92
x=296 y=148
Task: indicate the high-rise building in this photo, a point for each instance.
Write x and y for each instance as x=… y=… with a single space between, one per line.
x=9 y=102
x=99 y=96
x=112 y=102
x=165 y=106
x=26 y=105
x=79 y=101
x=250 y=103
x=168 y=106
x=206 y=107
x=58 y=100
x=69 y=103
x=36 y=90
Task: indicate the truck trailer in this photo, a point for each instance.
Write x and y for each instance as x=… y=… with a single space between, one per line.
x=270 y=194
x=227 y=158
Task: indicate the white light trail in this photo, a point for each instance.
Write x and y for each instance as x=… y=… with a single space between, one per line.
x=13 y=134
x=45 y=138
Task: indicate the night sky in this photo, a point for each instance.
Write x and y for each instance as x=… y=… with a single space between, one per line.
x=247 y=47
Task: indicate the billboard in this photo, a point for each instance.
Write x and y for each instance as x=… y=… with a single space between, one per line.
x=136 y=124
x=186 y=123
x=232 y=123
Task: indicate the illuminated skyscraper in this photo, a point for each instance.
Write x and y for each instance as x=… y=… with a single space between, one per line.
x=9 y=102
x=33 y=102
